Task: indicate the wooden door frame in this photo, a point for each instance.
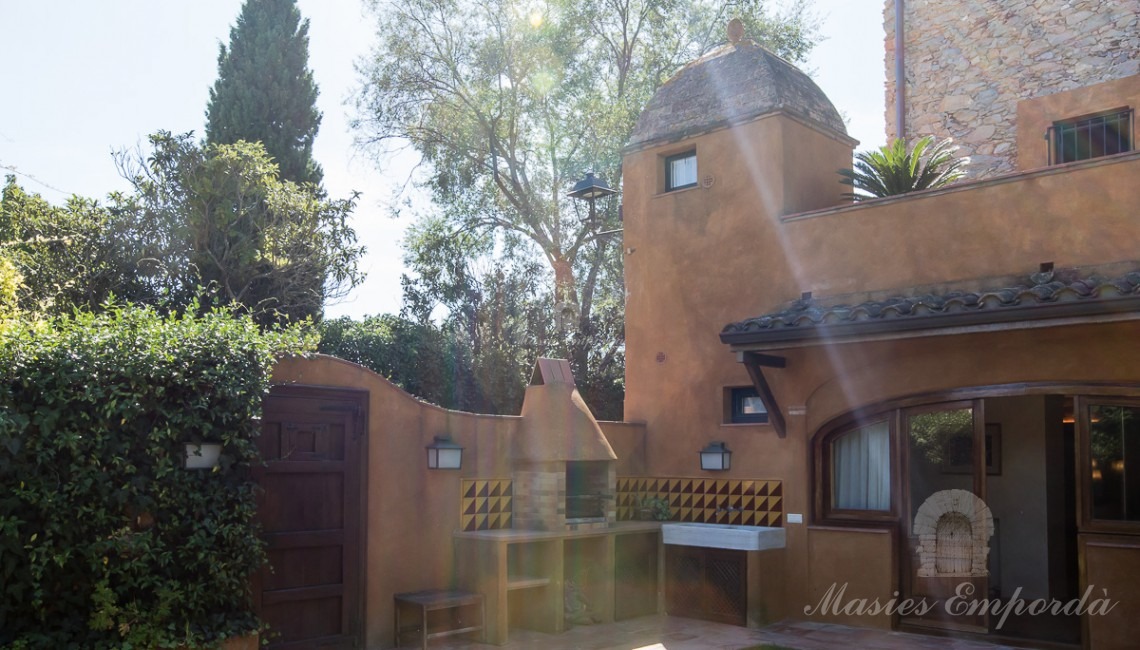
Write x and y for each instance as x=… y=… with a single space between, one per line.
x=891 y=407
x=1086 y=524
x=1090 y=531
x=359 y=399
x=905 y=562
x=979 y=423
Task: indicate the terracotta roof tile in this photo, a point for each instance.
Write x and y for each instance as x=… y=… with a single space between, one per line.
x=804 y=319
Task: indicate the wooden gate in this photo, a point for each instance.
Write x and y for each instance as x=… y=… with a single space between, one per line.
x=311 y=513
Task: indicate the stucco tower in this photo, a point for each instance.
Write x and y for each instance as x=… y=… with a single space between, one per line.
x=734 y=142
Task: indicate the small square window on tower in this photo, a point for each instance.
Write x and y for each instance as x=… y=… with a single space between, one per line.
x=681 y=171
x=744 y=406
x=1092 y=136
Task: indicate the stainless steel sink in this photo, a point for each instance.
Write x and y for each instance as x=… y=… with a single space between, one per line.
x=740 y=538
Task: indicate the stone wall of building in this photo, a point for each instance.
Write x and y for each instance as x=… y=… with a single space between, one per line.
x=969 y=62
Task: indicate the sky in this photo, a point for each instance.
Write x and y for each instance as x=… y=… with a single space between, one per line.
x=84 y=79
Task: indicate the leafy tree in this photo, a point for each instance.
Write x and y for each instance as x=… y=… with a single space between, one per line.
x=225 y=221
x=508 y=103
x=418 y=357
x=265 y=91
x=930 y=433
x=896 y=169
x=10 y=282
x=1109 y=426
x=495 y=308
x=73 y=256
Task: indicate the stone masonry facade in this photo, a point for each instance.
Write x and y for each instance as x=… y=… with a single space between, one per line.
x=968 y=63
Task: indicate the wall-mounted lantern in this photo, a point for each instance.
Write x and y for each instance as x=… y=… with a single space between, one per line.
x=203 y=456
x=716 y=457
x=444 y=453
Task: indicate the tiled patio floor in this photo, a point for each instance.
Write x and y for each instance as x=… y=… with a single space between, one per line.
x=668 y=633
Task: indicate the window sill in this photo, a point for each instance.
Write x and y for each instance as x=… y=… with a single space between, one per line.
x=746 y=424
x=853 y=527
x=679 y=190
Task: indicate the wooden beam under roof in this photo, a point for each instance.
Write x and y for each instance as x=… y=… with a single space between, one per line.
x=754 y=362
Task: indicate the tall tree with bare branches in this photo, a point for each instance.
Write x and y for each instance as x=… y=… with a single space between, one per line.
x=508 y=103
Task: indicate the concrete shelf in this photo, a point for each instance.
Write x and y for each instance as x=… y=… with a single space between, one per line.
x=522 y=582
x=524 y=574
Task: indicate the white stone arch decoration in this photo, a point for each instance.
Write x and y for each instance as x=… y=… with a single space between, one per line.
x=953 y=528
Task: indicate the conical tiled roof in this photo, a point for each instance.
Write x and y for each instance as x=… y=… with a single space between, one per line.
x=730 y=85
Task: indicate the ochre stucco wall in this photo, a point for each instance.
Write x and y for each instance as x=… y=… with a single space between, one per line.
x=846 y=565
x=627 y=439
x=1035 y=116
x=956 y=237
x=412 y=512
x=869 y=373
x=699 y=258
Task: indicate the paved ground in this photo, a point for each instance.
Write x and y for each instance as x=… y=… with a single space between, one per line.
x=668 y=633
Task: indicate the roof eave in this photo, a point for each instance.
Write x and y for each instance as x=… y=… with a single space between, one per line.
x=1035 y=316
x=740 y=120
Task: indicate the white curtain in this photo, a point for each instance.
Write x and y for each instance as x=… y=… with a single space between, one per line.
x=861 y=469
x=684 y=171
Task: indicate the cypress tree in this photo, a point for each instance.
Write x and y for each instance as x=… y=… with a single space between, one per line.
x=265 y=91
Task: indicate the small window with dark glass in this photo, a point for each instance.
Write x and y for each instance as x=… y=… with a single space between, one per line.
x=1088 y=137
x=747 y=407
x=681 y=171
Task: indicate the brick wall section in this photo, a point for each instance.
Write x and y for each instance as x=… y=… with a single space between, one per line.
x=969 y=62
x=540 y=497
x=539 y=501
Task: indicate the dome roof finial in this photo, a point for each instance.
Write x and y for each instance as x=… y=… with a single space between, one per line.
x=735 y=30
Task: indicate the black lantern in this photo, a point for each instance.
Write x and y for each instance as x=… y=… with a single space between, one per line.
x=716 y=457
x=590 y=189
x=444 y=453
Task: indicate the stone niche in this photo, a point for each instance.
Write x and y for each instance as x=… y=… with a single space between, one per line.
x=953 y=528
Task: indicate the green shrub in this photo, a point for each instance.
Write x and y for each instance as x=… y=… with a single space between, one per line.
x=419 y=358
x=106 y=541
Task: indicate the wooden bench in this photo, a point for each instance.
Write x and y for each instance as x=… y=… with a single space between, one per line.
x=435 y=600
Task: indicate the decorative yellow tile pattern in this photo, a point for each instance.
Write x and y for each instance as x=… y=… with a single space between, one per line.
x=748 y=502
x=486 y=504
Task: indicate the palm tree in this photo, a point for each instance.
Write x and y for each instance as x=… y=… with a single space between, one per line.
x=894 y=170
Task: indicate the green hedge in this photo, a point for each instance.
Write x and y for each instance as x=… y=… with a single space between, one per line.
x=106 y=541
